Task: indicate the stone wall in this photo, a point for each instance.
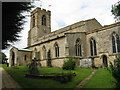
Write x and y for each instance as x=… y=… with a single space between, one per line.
x=104 y=44
x=55 y=61
x=41 y=36
x=22 y=60
x=19 y=57
x=71 y=39
x=39 y=30
x=13 y=57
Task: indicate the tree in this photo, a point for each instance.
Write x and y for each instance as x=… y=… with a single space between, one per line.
x=13 y=20
x=3 y=58
x=116 y=10
x=115 y=69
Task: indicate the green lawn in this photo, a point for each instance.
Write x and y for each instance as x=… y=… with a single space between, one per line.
x=19 y=76
x=102 y=79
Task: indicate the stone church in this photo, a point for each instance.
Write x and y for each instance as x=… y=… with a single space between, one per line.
x=88 y=42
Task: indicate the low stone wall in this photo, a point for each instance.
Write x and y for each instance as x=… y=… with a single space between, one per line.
x=57 y=62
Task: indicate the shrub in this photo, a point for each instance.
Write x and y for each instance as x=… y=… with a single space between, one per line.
x=69 y=64
x=64 y=77
x=115 y=70
x=33 y=68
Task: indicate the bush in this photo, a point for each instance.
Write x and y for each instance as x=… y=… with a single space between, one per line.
x=115 y=70
x=69 y=64
x=33 y=68
x=64 y=77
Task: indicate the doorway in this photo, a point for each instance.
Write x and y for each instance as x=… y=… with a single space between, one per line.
x=105 y=62
x=13 y=58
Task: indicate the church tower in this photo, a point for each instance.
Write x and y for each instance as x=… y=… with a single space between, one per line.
x=40 y=25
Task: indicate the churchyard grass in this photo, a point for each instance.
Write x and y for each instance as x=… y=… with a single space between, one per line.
x=102 y=79
x=19 y=72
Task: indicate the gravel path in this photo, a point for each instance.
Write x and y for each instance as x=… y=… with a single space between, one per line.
x=7 y=80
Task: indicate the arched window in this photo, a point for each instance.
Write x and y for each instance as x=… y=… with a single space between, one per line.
x=25 y=57
x=93 y=49
x=78 y=48
x=44 y=52
x=118 y=43
x=56 y=50
x=35 y=53
x=33 y=21
x=39 y=55
x=44 y=20
x=115 y=43
x=13 y=58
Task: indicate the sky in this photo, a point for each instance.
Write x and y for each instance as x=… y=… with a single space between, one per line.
x=67 y=12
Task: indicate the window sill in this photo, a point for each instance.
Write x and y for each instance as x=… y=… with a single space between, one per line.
x=94 y=56
x=79 y=57
x=114 y=54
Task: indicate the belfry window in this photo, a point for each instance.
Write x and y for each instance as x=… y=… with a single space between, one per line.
x=56 y=50
x=115 y=43
x=33 y=21
x=44 y=20
x=93 y=49
x=78 y=48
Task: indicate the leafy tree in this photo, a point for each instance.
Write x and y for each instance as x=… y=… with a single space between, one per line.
x=115 y=69
x=13 y=20
x=3 y=58
x=116 y=10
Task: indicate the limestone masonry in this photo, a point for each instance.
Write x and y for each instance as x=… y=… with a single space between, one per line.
x=88 y=42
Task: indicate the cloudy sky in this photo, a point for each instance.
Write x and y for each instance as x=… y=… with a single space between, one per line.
x=66 y=12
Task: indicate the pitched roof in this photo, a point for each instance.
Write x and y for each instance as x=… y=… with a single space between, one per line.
x=25 y=50
x=104 y=28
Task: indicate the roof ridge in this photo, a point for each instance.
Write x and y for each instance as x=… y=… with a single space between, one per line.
x=102 y=28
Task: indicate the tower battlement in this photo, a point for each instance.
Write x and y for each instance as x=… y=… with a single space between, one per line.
x=40 y=9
